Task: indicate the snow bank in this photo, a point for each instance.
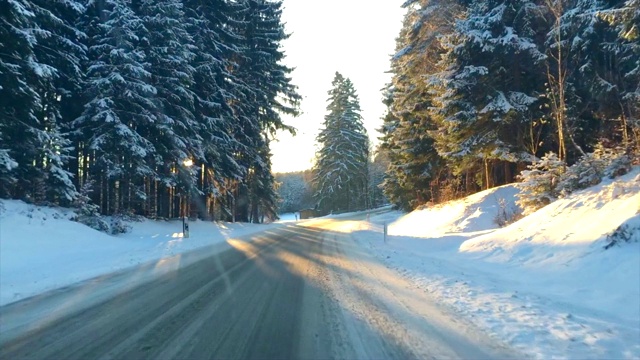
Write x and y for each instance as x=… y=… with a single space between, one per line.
x=545 y=284
x=563 y=244
x=41 y=249
x=477 y=212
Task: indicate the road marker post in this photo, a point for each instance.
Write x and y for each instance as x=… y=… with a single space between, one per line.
x=385 y=232
x=185 y=227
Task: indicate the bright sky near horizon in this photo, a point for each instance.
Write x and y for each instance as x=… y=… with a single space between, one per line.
x=354 y=37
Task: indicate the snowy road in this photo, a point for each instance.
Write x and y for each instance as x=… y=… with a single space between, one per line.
x=292 y=292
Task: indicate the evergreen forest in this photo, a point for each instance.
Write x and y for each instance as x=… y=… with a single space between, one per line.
x=158 y=108
x=484 y=90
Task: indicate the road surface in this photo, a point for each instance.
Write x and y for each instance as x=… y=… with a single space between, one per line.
x=301 y=292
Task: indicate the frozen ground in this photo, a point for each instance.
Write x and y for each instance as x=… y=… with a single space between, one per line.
x=544 y=284
x=40 y=249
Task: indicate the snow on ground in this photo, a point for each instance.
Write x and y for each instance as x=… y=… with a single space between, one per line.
x=41 y=250
x=545 y=284
x=288 y=217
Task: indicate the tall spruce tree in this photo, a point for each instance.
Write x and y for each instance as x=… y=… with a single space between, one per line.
x=489 y=89
x=604 y=82
x=18 y=99
x=391 y=186
x=33 y=40
x=340 y=173
x=168 y=54
x=415 y=166
x=59 y=45
x=212 y=26
x=120 y=111
x=266 y=92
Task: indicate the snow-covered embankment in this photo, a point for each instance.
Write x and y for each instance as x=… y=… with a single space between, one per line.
x=545 y=283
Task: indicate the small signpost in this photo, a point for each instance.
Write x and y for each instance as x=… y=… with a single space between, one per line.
x=385 y=232
x=185 y=227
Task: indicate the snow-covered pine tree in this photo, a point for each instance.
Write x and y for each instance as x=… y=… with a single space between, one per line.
x=34 y=148
x=175 y=134
x=489 y=90
x=591 y=75
x=18 y=99
x=120 y=108
x=583 y=76
x=617 y=67
x=211 y=26
x=415 y=166
x=390 y=185
x=264 y=195
x=261 y=66
x=59 y=45
x=539 y=186
x=340 y=173
x=267 y=93
x=629 y=35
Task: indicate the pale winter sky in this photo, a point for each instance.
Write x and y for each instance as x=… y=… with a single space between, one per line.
x=354 y=37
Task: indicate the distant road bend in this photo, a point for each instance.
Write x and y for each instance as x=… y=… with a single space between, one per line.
x=296 y=292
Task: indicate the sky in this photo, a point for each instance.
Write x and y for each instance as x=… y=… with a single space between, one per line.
x=354 y=37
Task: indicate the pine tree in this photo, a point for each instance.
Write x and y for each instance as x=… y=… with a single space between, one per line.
x=481 y=88
x=266 y=92
x=391 y=187
x=294 y=191
x=341 y=172
x=609 y=68
x=490 y=88
x=540 y=183
x=175 y=134
x=120 y=110
x=59 y=46
x=211 y=26
x=17 y=97
x=415 y=166
x=36 y=150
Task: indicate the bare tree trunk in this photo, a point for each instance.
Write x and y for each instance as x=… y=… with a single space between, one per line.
x=557 y=80
x=486 y=174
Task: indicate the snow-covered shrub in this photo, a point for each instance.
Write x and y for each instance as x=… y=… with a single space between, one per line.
x=506 y=214
x=539 y=184
x=88 y=213
x=593 y=167
x=93 y=221
x=627 y=232
x=119 y=224
x=588 y=171
x=618 y=161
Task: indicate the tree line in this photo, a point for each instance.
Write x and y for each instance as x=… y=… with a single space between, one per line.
x=481 y=89
x=160 y=108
